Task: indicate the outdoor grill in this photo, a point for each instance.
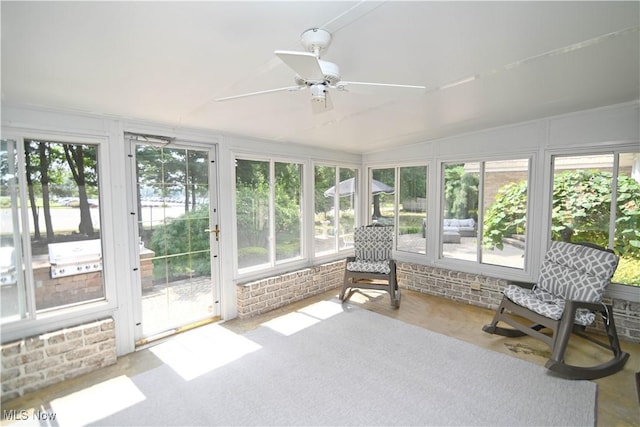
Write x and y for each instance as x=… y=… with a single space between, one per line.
x=7 y=266
x=79 y=257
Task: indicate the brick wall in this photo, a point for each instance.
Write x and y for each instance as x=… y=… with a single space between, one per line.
x=268 y=294
x=457 y=286
x=42 y=360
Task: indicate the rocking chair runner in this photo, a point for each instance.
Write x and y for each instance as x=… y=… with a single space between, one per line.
x=566 y=299
x=372 y=266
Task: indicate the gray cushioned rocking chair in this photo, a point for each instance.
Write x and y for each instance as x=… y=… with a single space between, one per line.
x=566 y=299
x=372 y=266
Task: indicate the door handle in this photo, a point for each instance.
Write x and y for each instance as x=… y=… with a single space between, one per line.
x=215 y=230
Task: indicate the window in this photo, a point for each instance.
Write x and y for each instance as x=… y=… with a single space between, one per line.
x=412 y=215
x=12 y=286
x=401 y=193
x=460 y=211
x=62 y=218
x=484 y=212
x=335 y=205
x=288 y=210
x=268 y=212
x=596 y=198
x=383 y=203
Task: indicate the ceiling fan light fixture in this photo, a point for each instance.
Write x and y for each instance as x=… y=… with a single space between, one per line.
x=318 y=93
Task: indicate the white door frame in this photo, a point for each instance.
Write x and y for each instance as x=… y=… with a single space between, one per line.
x=214 y=219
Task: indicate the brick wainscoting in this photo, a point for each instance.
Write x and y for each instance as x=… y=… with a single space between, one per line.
x=38 y=361
x=271 y=293
x=268 y=294
x=486 y=292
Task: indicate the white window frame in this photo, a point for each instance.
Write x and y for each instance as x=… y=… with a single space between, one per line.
x=273 y=266
x=38 y=322
x=339 y=251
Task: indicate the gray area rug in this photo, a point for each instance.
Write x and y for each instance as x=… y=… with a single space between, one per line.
x=334 y=364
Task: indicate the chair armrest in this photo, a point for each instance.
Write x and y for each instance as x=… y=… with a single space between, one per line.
x=525 y=285
x=573 y=305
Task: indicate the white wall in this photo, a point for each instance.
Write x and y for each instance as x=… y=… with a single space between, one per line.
x=616 y=124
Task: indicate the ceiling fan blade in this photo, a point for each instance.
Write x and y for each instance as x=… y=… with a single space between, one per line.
x=305 y=64
x=262 y=92
x=319 y=106
x=344 y=86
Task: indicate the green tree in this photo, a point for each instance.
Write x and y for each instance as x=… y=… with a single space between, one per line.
x=82 y=162
x=460 y=192
x=325 y=177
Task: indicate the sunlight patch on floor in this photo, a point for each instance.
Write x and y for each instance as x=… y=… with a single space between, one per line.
x=323 y=309
x=202 y=350
x=96 y=402
x=310 y=315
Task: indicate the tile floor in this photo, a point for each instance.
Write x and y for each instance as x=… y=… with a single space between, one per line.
x=618 y=400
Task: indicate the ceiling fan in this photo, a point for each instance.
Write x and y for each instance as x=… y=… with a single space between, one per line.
x=314 y=73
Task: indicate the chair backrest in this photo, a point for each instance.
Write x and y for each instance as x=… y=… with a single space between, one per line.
x=576 y=272
x=373 y=243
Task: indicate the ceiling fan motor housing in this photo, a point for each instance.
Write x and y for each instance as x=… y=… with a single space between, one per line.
x=330 y=72
x=315 y=40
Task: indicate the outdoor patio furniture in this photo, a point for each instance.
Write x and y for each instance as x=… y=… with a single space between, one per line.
x=465 y=226
x=453 y=229
x=450 y=235
x=372 y=266
x=566 y=299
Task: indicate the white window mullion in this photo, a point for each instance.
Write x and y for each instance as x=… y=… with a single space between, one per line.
x=337 y=233
x=272 y=213
x=29 y=282
x=479 y=229
x=614 y=200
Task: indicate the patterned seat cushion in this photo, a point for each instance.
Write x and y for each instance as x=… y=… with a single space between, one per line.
x=373 y=247
x=381 y=267
x=569 y=272
x=373 y=243
x=545 y=306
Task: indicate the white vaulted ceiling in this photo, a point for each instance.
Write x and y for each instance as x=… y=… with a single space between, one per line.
x=484 y=64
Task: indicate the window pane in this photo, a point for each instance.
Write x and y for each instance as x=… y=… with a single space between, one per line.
x=63 y=190
x=382 y=188
x=288 y=199
x=460 y=211
x=582 y=198
x=324 y=225
x=627 y=235
x=12 y=295
x=413 y=209
x=347 y=208
x=252 y=212
x=505 y=209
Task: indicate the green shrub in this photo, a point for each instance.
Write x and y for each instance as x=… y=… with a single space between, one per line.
x=628 y=272
x=252 y=255
x=182 y=235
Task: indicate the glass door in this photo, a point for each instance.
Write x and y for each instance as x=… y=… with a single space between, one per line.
x=177 y=238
